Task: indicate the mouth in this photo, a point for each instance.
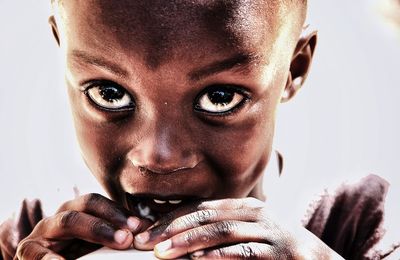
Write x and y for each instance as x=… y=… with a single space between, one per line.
x=153 y=206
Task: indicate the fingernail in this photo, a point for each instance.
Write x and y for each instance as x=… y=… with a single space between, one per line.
x=163 y=246
x=142 y=238
x=133 y=223
x=51 y=257
x=197 y=254
x=120 y=236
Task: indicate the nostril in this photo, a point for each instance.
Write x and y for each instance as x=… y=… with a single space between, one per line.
x=147 y=163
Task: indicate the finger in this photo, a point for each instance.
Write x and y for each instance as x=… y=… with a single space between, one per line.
x=248 y=202
x=212 y=235
x=29 y=249
x=225 y=204
x=156 y=234
x=239 y=251
x=77 y=225
x=104 y=208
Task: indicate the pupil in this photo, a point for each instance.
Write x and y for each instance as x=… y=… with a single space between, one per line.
x=221 y=96
x=111 y=93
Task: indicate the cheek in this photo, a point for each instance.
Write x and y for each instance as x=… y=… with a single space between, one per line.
x=238 y=148
x=240 y=153
x=101 y=143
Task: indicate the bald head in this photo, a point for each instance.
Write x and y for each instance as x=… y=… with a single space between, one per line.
x=162 y=30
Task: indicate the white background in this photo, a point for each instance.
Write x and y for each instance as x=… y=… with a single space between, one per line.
x=343 y=125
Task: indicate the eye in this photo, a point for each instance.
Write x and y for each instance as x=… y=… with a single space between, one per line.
x=220 y=99
x=110 y=96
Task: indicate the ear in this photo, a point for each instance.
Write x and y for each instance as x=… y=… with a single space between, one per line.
x=54 y=29
x=300 y=65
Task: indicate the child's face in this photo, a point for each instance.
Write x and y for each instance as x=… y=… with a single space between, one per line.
x=176 y=99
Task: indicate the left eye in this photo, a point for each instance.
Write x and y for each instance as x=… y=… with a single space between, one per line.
x=219 y=100
x=110 y=97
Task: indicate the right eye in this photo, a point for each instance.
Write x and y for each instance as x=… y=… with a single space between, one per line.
x=110 y=96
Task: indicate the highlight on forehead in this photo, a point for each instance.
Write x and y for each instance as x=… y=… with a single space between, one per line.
x=165 y=29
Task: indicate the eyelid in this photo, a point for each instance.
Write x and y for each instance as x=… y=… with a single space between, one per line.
x=238 y=89
x=87 y=85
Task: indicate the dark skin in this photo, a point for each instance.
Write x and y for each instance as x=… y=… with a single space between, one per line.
x=173 y=100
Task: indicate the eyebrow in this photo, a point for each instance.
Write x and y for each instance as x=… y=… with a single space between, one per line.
x=100 y=62
x=240 y=62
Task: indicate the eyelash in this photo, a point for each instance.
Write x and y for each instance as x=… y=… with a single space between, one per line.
x=99 y=83
x=237 y=89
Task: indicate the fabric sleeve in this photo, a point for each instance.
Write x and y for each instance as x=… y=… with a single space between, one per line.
x=350 y=222
x=15 y=229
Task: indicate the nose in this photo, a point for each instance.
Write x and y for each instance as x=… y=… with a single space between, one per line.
x=164 y=149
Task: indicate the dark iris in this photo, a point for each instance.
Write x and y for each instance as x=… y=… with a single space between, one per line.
x=221 y=96
x=110 y=93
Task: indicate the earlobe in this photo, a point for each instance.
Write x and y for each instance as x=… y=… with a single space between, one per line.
x=300 y=65
x=54 y=29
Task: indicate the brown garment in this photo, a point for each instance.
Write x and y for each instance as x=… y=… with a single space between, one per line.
x=350 y=222
x=13 y=231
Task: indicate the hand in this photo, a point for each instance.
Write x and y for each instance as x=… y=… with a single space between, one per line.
x=79 y=227
x=229 y=229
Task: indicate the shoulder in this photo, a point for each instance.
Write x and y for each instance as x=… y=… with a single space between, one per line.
x=351 y=220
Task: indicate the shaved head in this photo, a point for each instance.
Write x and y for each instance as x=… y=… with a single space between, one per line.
x=165 y=26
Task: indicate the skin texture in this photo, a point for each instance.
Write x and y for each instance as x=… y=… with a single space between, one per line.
x=165 y=55
x=164 y=133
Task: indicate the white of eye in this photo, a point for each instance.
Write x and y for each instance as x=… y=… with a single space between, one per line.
x=110 y=97
x=224 y=104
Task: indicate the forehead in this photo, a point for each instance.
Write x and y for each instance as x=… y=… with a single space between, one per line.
x=161 y=30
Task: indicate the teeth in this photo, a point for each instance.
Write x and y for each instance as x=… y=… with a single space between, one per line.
x=175 y=201
x=169 y=201
x=159 y=201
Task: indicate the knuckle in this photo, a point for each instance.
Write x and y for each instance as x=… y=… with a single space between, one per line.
x=204 y=216
x=68 y=219
x=98 y=228
x=195 y=219
x=92 y=200
x=248 y=251
x=224 y=228
x=191 y=237
x=220 y=253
